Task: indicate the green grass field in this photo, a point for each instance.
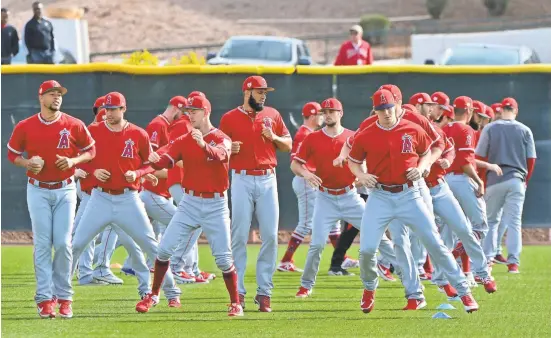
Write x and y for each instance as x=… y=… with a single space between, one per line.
x=520 y=308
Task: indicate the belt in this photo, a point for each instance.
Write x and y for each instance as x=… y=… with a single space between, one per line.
x=115 y=192
x=337 y=192
x=395 y=188
x=434 y=183
x=203 y=194
x=255 y=172
x=50 y=185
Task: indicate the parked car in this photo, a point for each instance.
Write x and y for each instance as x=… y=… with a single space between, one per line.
x=483 y=54
x=61 y=56
x=261 y=50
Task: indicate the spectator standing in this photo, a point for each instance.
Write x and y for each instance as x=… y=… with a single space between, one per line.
x=10 y=39
x=356 y=51
x=39 y=37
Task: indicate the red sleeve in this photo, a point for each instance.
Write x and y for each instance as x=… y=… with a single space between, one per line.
x=88 y=167
x=83 y=139
x=281 y=128
x=16 y=144
x=423 y=143
x=339 y=61
x=172 y=155
x=438 y=141
x=304 y=150
x=144 y=148
x=299 y=137
x=531 y=162
x=357 y=153
x=369 y=54
x=464 y=144
x=144 y=170
x=220 y=152
x=225 y=125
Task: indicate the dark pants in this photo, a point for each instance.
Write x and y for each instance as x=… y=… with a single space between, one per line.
x=40 y=56
x=345 y=241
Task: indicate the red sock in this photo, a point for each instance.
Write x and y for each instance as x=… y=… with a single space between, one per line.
x=230 y=278
x=465 y=262
x=158 y=276
x=428 y=265
x=334 y=239
x=294 y=243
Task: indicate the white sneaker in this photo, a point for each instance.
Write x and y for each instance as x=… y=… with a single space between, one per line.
x=288 y=267
x=182 y=277
x=350 y=263
x=470 y=280
x=111 y=279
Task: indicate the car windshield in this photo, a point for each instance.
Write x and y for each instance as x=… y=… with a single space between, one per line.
x=257 y=49
x=481 y=56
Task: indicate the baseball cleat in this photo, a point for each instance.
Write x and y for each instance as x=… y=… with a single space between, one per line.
x=458 y=250
x=339 y=272
x=384 y=273
x=470 y=280
x=513 y=268
x=350 y=263
x=147 y=302
x=415 y=304
x=425 y=276
x=65 y=308
x=242 y=301
x=449 y=290
x=263 y=302
x=499 y=259
x=111 y=279
x=207 y=275
x=46 y=309
x=235 y=310
x=174 y=302
x=288 y=267
x=489 y=285
x=200 y=280
x=182 y=277
x=303 y=293
x=128 y=271
x=93 y=282
x=469 y=303
x=368 y=301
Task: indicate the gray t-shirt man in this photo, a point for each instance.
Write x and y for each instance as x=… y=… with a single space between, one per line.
x=507 y=143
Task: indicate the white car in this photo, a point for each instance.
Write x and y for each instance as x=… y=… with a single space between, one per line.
x=262 y=50
x=488 y=54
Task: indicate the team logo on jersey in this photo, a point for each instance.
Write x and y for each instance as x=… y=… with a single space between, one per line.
x=63 y=139
x=268 y=122
x=128 y=151
x=407 y=144
x=468 y=141
x=154 y=136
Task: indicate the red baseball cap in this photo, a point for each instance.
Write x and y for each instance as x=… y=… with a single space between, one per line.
x=331 y=104
x=421 y=98
x=48 y=86
x=196 y=93
x=449 y=113
x=178 y=102
x=256 y=82
x=394 y=90
x=509 y=102
x=496 y=107
x=410 y=107
x=479 y=107
x=383 y=99
x=114 y=100
x=441 y=98
x=490 y=112
x=99 y=102
x=311 y=108
x=485 y=111
x=199 y=102
x=463 y=102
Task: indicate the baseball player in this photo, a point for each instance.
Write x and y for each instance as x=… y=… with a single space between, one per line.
x=396 y=152
x=206 y=153
x=55 y=143
x=257 y=131
x=511 y=144
x=123 y=151
x=306 y=195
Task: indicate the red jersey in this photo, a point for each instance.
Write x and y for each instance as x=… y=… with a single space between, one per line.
x=256 y=151
x=354 y=55
x=89 y=182
x=390 y=152
x=463 y=137
x=65 y=136
x=157 y=130
x=179 y=128
x=212 y=162
x=436 y=171
x=119 y=152
x=320 y=149
x=161 y=188
x=301 y=134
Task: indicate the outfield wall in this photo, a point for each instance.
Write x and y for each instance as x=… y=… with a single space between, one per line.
x=148 y=90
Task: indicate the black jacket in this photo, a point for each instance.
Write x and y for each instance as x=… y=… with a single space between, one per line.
x=10 y=42
x=39 y=34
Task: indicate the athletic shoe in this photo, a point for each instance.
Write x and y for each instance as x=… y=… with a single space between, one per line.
x=128 y=271
x=470 y=280
x=207 y=275
x=489 y=285
x=458 y=250
x=242 y=301
x=425 y=276
x=235 y=310
x=288 y=267
x=449 y=290
x=263 y=302
x=303 y=293
x=183 y=277
x=46 y=309
x=368 y=301
x=384 y=273
x=92 y=282
x=111 y=279
x=339 y=272
x=469 y=303
x=174 y=302
x=350 y=263
x=200 y=280
x=513 y=268
x=147 y=302
x=65 y=308
x=499 y=259
x=415 y=304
